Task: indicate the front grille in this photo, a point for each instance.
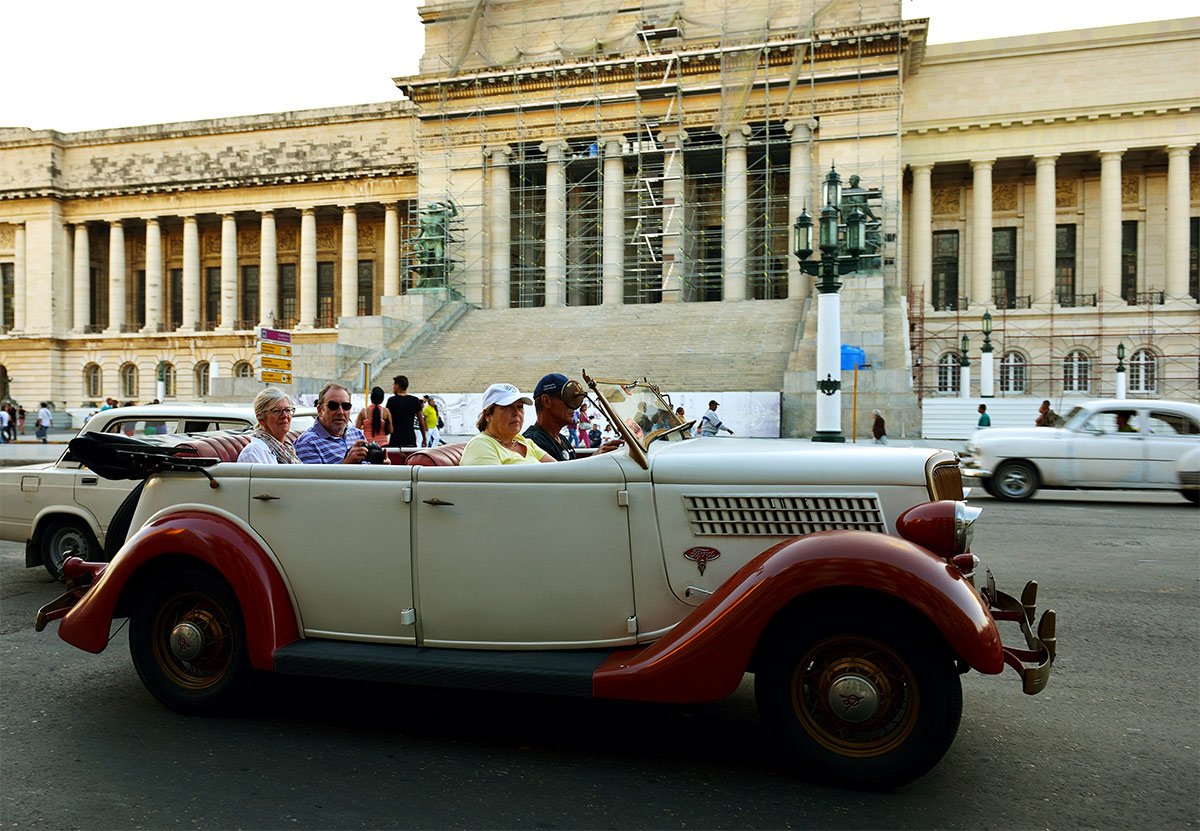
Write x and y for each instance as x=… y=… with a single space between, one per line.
x=781 y=515
x=947 y=483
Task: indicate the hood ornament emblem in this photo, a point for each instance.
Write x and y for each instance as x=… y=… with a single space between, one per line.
x=702 y=556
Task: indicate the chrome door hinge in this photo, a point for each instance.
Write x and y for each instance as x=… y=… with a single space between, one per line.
x=406 y=493
x=623 y=499
x=631 y=625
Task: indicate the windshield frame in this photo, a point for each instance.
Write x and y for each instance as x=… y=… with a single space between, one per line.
x=641 y=391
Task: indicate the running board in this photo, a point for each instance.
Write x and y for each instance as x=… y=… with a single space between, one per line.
x=546 y=672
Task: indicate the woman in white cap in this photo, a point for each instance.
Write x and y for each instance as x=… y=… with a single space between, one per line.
x=500 y=441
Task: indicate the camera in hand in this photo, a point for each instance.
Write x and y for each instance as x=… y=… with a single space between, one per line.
x=375 y=454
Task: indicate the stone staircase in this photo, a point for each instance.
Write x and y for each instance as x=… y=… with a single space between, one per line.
x=682 y=346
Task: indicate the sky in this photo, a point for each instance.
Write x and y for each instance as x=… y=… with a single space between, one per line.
x=85 y=65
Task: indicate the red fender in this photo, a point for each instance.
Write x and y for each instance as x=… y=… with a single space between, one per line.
x=210 y=538
x=704 y=657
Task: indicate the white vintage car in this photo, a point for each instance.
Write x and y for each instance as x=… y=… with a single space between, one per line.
x=59 y=506
x=1103 y=444
x=841 y=576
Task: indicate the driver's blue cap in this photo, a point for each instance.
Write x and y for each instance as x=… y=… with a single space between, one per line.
x=551 y=384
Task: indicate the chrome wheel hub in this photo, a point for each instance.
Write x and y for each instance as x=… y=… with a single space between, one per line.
x=186 y=641
x=853 y=698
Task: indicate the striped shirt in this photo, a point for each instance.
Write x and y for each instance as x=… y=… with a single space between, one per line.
x=316 y=447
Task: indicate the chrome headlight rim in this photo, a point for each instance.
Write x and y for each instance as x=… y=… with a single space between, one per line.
x=964 y=526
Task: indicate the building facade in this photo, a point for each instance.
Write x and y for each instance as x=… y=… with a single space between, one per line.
x=616 y=156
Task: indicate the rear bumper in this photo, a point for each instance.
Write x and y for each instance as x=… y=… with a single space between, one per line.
x=1035 y=660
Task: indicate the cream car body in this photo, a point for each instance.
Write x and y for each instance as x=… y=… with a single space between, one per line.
x=1090 y=450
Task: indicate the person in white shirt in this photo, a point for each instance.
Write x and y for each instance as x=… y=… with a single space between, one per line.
x=710 y=424
x=5 y=418
x=270 y=444
x=43 y=422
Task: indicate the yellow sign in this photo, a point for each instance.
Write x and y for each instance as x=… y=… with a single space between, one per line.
x=277 y=363
x=269 y=377
x=268 y=348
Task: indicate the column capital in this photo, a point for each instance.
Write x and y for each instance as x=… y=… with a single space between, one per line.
x=269 y=212
x=228 y=217
x=496 y=151
x=308 y=212
x=1179 y=150
x=608 y=142
x=736 y=136
x=800 y=130
x=348 y=207
x=675 y=134
x=923 y=167
x=1109 y=155
x=554 y=148
x=188 y=218
x=115 y=223
x=982 y=164
x=150 y=220
x=1045 y=159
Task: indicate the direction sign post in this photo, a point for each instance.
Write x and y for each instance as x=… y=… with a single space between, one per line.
x=275 y=355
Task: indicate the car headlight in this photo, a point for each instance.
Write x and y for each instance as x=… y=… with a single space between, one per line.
x=945 y=527
x=971 y=449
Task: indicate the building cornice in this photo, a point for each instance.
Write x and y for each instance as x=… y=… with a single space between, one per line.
x=1037 y=119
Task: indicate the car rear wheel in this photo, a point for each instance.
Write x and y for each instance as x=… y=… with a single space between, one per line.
x=188 y=643
x=63 y=538
x=1191 y=496
x=864 y=704
x=1015 y=481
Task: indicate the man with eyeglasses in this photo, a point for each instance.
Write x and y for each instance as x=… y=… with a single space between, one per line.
x=332 y=440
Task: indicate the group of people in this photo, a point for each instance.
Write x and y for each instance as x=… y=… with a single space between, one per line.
x=12 y=422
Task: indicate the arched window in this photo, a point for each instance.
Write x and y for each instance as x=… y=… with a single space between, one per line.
x=243 y=369
x=1077 y=368
x=93 y=381
x=948 y=373
x=1143 y=372
x=129 y=382
x=168 y=377
x=1012 y=372
x=201 y=381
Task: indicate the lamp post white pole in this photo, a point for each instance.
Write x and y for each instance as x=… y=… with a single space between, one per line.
x=1121 y=389
x=964 y=387
x=987 y=381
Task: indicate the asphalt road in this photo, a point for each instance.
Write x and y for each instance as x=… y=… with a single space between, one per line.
x=1114 y=742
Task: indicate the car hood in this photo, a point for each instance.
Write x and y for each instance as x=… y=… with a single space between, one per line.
x=989 y=435
x=786 y=462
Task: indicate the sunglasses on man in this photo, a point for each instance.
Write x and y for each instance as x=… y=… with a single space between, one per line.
x=333 y=405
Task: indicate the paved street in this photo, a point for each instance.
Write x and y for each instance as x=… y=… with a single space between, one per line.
x=1114 y=742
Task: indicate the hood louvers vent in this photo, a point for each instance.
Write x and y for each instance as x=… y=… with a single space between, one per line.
x=781 y=516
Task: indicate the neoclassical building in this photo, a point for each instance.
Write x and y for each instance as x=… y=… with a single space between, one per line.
x=601 y=167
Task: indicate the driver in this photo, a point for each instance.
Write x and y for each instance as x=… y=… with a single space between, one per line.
x=555 y=400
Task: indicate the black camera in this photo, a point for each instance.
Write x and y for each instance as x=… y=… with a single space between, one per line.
x=375 y=454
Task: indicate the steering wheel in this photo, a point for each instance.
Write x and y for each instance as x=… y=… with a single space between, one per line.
x=678 y=429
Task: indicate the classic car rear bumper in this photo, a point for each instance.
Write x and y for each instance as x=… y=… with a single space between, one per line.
x=79 y=577
x=1034 y=662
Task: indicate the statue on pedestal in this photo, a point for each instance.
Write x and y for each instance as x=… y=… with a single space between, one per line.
x=857 y=197
x=430 y=243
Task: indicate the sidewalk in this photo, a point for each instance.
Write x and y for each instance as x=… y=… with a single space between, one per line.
x=27 y=450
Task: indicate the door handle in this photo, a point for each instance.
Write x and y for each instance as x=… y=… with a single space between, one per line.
x=89 y=480
x=266 y=497
x=436 y=501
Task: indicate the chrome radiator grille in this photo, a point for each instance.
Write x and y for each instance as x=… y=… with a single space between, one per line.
x=781 y=515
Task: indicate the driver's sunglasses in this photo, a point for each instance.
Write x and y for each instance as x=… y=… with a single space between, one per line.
x=333 y=405
x=282 y=411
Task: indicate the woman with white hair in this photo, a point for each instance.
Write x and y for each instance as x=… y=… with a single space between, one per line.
x=270 y=444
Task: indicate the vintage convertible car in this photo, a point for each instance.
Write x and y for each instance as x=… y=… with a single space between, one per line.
x=59 y=506
x=1103 y=444
x=841 y=576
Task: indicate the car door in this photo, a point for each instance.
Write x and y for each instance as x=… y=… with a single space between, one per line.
x=524 y=556
x=1168 y=435
x=342 y=536
x=1104 y=456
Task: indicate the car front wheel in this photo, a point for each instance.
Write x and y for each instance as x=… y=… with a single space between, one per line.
x=1015 y=481
x=188 y=643
x=864 y=704
x=63 y=538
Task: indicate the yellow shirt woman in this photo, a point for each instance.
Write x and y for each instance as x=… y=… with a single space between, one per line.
x=486 y=450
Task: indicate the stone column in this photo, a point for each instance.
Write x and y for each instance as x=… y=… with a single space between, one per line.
x=19 y=320
x=116 y=277
x=613 y=250
x=1110 y=226
x=1178 y=216
x=735 y=206
x=191 y=275
x=799 y=198
x=920 y=255
x=981 y=236
x=499 y=230
x=82 y=280
x=1045 y=215
x=349 y=261
x=229 y=273
x=556 y=224
x=391 y=250
x=308 y=269
x=673 y=265
x=64 y=315
x=268 y=271
x=154 y=276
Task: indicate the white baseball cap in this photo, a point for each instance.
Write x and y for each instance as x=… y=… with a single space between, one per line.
x=504 y=394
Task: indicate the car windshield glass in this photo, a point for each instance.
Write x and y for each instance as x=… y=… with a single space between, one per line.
x=1071 y=415
x=640 y=407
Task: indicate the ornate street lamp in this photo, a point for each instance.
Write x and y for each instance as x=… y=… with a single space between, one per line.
x=1121 y=370
x=986 y=381
x=836 y=260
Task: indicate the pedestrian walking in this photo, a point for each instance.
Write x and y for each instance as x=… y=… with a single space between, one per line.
x=43 y=422
x=879 y=428
x=710 y=424
x=985 y=420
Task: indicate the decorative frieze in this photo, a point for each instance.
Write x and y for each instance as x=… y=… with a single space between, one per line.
x=1131 y=190
x=1004 y=197
x=174 y=245
x=8 y=236
x=947 y=201
x=1195 y=186
x=1066 y=193
x=327 y=238
x=287 y=239
x=366 y=236
x=210 y=243
x=248 y=240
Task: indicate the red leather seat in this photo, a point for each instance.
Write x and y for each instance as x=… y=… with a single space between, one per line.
x=223 y=446
x=396 y=455
x=447 y=455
